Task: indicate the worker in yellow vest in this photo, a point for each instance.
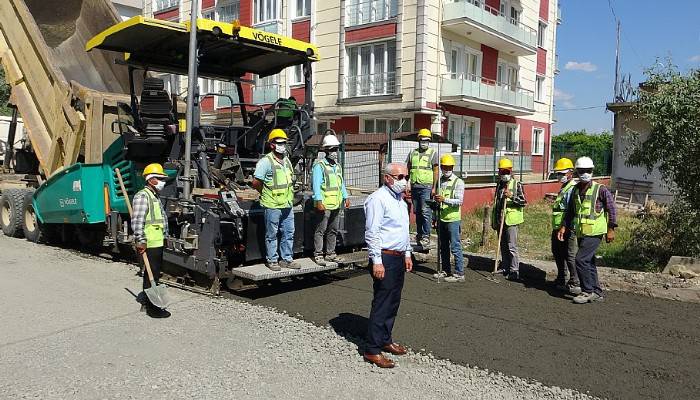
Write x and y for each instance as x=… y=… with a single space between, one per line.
x=274 y=179
x=150 y=225
x=591 y=214
x=510 y=191
x=329 y=194
x=564 y=252
x=423 y=172
x=450 y=195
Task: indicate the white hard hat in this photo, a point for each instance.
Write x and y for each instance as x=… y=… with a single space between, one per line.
x=584 y=162
x=330 y=141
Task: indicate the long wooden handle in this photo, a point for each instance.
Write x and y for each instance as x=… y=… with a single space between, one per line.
x=131 y=213
x=500 y=234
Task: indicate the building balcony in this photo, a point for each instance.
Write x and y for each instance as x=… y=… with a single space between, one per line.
x=272 y=26
x=487 y=95
x=369 y=11
x=486 y=164
x=266 y=94
x=484 y=24
x=383 y=84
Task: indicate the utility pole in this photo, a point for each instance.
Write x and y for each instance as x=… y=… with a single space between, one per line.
x=616 y=95
x=192 y=96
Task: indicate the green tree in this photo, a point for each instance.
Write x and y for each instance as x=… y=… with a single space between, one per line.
x=4 y=94
x=574 y=144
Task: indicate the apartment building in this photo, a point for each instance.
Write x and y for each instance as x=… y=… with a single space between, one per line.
x=479 y=72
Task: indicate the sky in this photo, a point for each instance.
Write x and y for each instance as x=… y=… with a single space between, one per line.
x=650 y=31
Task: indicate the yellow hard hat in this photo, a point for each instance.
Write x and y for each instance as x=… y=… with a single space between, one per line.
x=276 y=134
x=447 y=160
x=154 y=169
x=424 y=133
x=505 y=163
x=563 y=164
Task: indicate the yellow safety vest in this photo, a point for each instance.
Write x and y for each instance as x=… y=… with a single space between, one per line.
x=153 y=227
x=559 y=206
x=279 y=191
x=588 y=222
x=421 y=166
x=331 y=189
x=514 y=213
x=449 y=212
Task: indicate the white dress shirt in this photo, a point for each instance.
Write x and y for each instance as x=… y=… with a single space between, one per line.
x=386 y=224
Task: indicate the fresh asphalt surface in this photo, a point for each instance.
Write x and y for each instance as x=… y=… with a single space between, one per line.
x=628 y=347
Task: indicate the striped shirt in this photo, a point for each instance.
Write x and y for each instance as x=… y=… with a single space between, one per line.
x=138 y=219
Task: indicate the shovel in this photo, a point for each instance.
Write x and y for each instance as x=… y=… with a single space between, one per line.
x=500 y=234
x=157 y=294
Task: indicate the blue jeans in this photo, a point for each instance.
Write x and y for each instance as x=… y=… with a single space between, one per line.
x=424 y=215
x=279 y=222
x=450 y=235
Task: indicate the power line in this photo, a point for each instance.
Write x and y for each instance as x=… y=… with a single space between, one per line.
x=624 y=34
x=577 y=108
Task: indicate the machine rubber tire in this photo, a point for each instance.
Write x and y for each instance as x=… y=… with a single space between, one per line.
x=30 y=225
x=11 y=212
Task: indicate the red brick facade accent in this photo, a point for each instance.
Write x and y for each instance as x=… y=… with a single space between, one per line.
x=169 y=15
x=348 y=124
x=544 y=10
x=489 y=65
x=541 y=61
x=302 y=30
x=373 y=32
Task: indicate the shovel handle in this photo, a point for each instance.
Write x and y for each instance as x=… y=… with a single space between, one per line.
x=128 y=206
x=500 y=234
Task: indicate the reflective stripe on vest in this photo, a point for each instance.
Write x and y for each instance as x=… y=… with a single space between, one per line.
x=560 y=205
x=153 y=226
x=421 y=167
x=279 y=191
x=331 y=189
x=448 y=212
x=588 y=221
x=514 y=213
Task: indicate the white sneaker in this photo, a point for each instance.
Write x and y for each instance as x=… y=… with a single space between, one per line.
x=455 y=278
x=584 y=298
x=441 y=274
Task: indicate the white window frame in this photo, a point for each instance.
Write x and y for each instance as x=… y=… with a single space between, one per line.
x=459 y=122
x=539 y=88
x=160 y=5
x=295 y=72
x=537 y=143
x=463 y=53
x=406 y=128
x=542 y=34
x=369 y=6
x=306 y=4
x=508 y=66
x=505 y=150
x=271 y=13
x=372 y=64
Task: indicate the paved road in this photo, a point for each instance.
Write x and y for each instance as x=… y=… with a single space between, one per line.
x=629 y=347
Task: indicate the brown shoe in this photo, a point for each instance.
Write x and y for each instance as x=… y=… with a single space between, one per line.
x=395 y=349
x=379 y=360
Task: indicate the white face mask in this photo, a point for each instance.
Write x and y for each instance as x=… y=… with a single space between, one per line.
x=399 y=186
x=160 y=185
x=280 y=148
x=447 y=174
x=564 y=178
x=332 y=156
x=587 y=177
x=424 y=145
x=505 y=178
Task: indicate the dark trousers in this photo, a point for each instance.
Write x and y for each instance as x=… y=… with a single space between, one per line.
x=155 y=260
x=585 y=264
x=385 y=304
x=326 y=232
x=565 y=257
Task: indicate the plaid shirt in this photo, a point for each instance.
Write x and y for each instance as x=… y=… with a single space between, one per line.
x=518 y=198
x=605 y=201
x=138 y=220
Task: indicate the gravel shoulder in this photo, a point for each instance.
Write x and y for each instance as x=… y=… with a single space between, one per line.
x=71 y=329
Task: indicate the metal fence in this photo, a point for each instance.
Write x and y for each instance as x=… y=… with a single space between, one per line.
x=602 y=157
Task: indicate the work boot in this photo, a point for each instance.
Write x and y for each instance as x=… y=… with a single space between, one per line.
x=513 y=276
x=273 y=266
x=290 y=264
x=156 y=312
x=320 y=260
x=425 y=243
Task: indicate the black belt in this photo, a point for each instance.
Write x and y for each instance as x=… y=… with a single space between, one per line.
x=393 y=253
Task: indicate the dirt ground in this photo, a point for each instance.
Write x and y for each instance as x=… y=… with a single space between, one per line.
x=628 y=347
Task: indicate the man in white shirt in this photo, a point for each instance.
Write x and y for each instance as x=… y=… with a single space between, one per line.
x=387 y=237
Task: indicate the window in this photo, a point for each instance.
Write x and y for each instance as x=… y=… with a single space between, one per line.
x=227 y=10
x=303 y=8
x=171 y=83
x=266 y=10
x=386 y=125
x=164 y=4
x=537 y=141
x=371 y=70
x=541 y=34
x=464 y=63
x=539 y=88
x=322 y=127
x=514 y=15
x=507 y=137
x=360 y=12
x=297 y=75
x=507 y=75
x=464 y=132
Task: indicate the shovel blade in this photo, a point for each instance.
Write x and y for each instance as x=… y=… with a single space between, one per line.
x=158 y=295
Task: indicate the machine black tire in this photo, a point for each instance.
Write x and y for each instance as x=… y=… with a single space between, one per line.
x=11 y=212
x=30 y=225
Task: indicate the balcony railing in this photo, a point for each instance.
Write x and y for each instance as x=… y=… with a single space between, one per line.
x=366 y=12
x=477 y=87
x=480 y=13
x=266 y=94
x=371 y=84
